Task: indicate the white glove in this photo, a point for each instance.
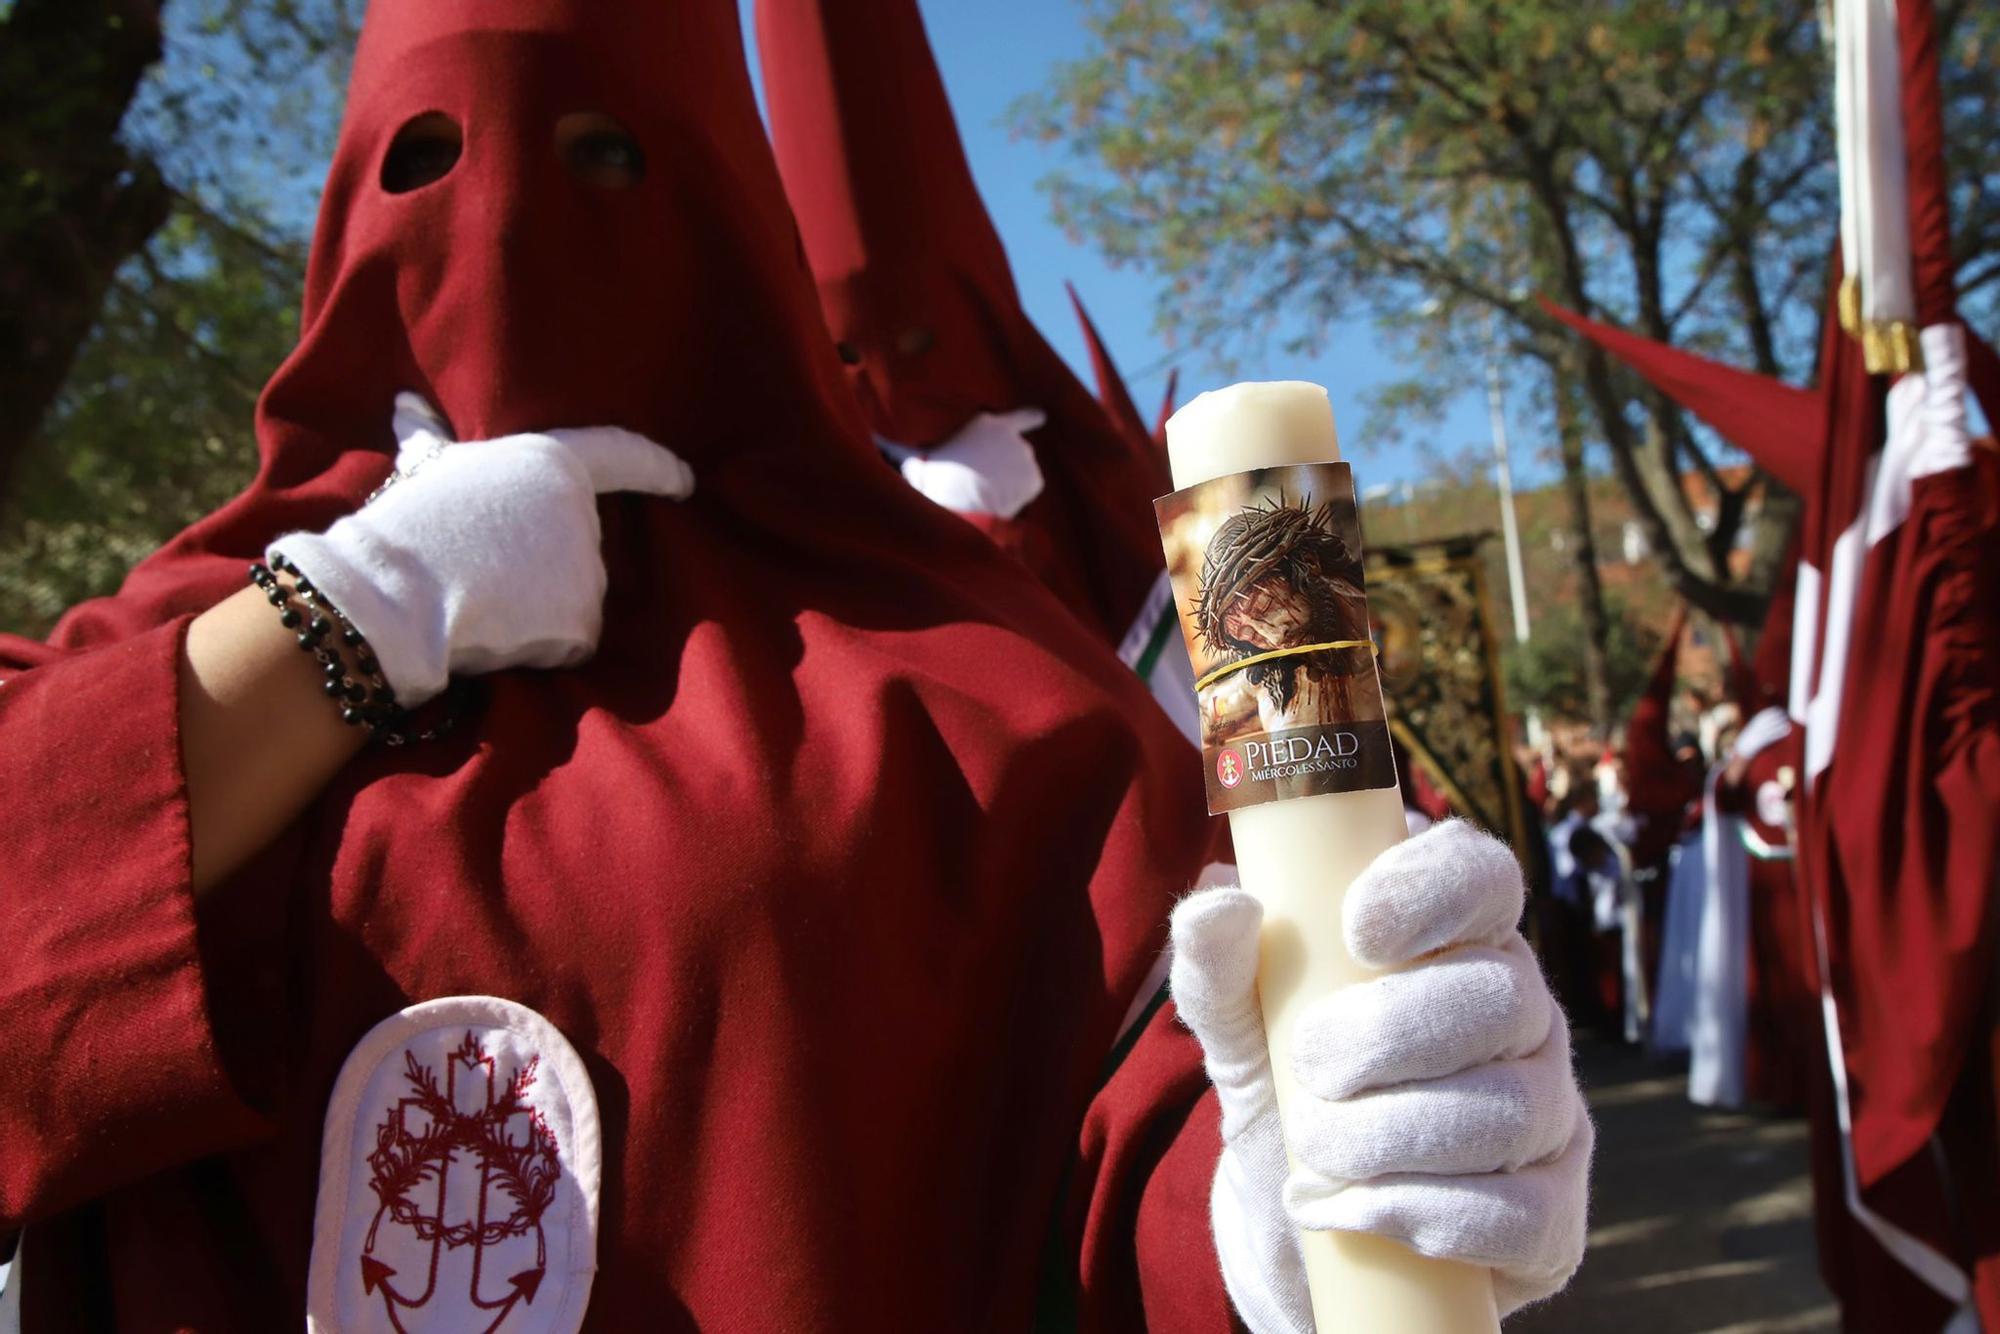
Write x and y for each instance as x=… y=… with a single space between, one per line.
x=1442 y=1111
x=481 y=555
x=987 y=468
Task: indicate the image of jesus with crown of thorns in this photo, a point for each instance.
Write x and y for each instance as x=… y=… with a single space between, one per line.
x=1281 y=575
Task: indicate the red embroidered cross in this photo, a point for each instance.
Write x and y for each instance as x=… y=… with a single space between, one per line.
x=429 y=1148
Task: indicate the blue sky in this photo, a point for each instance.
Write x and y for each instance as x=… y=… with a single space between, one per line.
x=991 y=54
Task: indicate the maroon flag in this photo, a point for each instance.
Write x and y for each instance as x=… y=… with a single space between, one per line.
x=1896 y=686
x=1774 y=423
x=1898 y=825
x=1896 y=674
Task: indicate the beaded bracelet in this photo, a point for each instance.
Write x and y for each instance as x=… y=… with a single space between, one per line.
x=369 y=702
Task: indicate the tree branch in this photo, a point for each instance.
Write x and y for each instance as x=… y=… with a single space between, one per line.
x=193 y=342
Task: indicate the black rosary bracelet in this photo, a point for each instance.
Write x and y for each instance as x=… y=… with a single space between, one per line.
x=322 y=629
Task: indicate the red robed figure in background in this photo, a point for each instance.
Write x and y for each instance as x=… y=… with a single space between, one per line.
x=1785 y=1048
x=920 y=298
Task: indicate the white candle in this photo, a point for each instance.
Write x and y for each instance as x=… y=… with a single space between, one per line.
x=1298 y=856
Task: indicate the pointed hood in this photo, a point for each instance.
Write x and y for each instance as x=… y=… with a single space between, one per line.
x=916 y=290
x=622 y=305
x=1743 y=682
x=912 y=276
x=1166 y=407
x=1774 y=423
x=1771 y=665
x=1653 y=777
x=517 y=296
x=520 y=296
x=1111 y=388
x=1649 y=714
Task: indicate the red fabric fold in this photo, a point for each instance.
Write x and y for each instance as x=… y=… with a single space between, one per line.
x=1146 y=1162
x=1933 y=269
x=104 y=1012
x=1911 y=812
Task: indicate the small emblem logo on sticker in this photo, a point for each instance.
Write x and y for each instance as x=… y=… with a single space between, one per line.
x=1229 y=768
x=469 y=1133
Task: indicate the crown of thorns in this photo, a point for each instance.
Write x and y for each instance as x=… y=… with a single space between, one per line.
x=1297 y=542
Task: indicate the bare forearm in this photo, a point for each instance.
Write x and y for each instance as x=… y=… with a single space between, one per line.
x=505 y=531
x=258 y=735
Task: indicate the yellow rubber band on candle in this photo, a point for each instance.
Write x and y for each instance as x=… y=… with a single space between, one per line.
x=1256 y=658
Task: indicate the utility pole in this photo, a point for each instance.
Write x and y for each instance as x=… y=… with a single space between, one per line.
x=1510 y=527
x=1503 y=468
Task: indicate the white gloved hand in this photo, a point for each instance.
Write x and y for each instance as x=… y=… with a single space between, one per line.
x=1442 y=1111
x=481 y=555
x=987 y=468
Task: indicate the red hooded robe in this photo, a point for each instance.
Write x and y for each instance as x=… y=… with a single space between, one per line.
x=1786 y=1047
x=1658 y=786
x=917 y=290
x=841 y=864
x=1659 y=789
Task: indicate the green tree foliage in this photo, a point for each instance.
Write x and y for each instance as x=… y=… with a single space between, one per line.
x=153 y=426
x=1297 y=166
x=1546 y=673
x=75 y=202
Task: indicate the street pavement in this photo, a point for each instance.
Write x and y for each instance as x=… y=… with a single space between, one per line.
x=1701 y=1222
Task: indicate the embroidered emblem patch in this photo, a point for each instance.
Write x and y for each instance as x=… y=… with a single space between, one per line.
x=459 y=1178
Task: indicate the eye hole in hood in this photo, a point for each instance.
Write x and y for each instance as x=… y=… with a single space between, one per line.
x=599 y=151
x=423 y=152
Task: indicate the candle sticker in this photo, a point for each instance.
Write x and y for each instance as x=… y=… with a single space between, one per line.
x=1266 y=569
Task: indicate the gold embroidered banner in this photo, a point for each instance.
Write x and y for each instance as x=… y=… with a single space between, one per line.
x=1440 y=665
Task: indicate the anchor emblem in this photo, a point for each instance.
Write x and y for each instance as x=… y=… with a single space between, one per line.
x=462 y=1173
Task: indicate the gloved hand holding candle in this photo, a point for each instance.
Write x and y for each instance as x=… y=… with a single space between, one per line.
x=1438 y=1166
